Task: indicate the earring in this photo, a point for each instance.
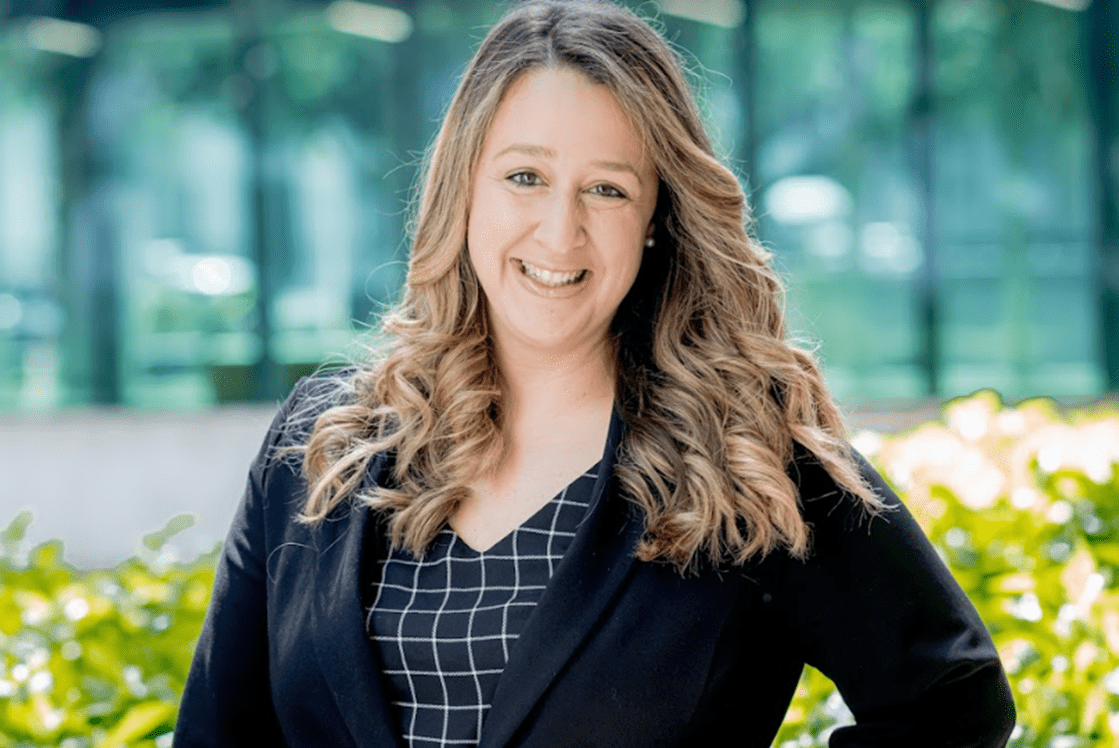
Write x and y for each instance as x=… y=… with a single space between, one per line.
x=650 y=242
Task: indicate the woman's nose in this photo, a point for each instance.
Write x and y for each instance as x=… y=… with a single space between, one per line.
x=560 y=227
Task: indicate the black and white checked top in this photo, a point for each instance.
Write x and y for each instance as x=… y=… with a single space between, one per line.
x=444 y=625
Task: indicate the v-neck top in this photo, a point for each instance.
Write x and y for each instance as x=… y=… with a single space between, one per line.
x=444 y=624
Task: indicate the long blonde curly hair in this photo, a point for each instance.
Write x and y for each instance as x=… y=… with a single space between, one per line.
x=712 y=395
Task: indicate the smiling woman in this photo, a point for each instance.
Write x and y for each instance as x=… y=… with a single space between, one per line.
x=557 y=225
x=556 y=230
x=588 y=494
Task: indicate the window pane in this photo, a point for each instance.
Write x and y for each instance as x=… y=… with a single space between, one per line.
x=31 y=317
x=836 y=199
x=172 y=192
x=215 y=202
x=1014 y=204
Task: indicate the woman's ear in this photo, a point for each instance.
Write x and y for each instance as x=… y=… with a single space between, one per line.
x=649 y=240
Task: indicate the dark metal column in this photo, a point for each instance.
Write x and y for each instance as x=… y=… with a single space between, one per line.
x=252 y=18
x=1102 y=55
x=89 y=262
x=921 y=137
x=746 y=50
x=411 y=66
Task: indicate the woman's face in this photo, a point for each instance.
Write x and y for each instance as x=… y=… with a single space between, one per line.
x=561 y=205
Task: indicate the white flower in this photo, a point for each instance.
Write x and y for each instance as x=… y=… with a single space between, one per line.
x=40 y=682
x=76 y=609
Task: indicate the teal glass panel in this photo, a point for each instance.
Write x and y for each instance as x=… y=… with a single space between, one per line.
x=836 y=198
x=217 y=199
x=173 y=183
x=351 y=111
x=31 y=317
x=1015 y=209
x=331 y=219
x=712 y=40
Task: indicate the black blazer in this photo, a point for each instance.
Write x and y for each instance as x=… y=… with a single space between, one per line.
x=618 y=652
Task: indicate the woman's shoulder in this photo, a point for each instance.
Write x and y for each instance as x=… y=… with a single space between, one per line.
x=309 y=398
x=277 y=472
x=325 y=421
x=826 y=506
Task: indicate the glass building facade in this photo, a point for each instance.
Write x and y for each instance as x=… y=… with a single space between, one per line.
x=200 y=202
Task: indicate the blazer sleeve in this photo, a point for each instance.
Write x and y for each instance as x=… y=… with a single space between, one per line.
x=227 y=697
x=876 y=610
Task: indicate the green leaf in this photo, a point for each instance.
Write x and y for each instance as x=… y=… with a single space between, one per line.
x=138 y=722
x=17 y=528
x=175 y=525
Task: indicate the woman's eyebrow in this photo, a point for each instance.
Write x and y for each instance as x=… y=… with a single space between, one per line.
x=616 y=166
x=539 y=151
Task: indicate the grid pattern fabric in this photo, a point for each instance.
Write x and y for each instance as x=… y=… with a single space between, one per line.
x=444 y=624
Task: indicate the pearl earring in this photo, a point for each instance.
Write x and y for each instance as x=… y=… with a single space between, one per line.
x=650 y=242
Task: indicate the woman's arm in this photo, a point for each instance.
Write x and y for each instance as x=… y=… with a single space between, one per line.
x=878 y=612
x=227 y=700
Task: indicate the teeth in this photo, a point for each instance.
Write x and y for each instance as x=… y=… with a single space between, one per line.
x=548 y=278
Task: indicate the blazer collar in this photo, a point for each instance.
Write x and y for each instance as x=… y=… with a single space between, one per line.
x=349 y=661
x=590 y=575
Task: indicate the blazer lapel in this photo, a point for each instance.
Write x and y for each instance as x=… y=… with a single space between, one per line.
x=592 y=571
x=349 y=662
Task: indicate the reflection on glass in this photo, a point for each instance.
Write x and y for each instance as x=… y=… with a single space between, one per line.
x=1013 y=199
x=201 y=206
x=839 y=202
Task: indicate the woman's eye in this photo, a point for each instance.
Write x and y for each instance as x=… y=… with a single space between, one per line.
x=524 y=178
x=607 y=190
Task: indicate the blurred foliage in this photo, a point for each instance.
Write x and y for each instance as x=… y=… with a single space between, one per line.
x=1023 y=503
x=96 y=658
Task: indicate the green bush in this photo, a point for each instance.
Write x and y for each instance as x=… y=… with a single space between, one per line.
x=1022 y=502
x=95 y=658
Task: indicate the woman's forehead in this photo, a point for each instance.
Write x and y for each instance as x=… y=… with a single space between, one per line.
x=559 y=111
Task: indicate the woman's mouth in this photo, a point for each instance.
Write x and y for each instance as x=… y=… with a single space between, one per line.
x=551 y=278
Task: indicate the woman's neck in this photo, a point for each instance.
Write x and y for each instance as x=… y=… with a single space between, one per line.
x=555 y=423
x=540 y=385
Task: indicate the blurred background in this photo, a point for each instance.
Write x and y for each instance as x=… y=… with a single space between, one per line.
x=202 y=201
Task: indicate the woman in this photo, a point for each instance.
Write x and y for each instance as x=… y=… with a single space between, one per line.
x=588 y=496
